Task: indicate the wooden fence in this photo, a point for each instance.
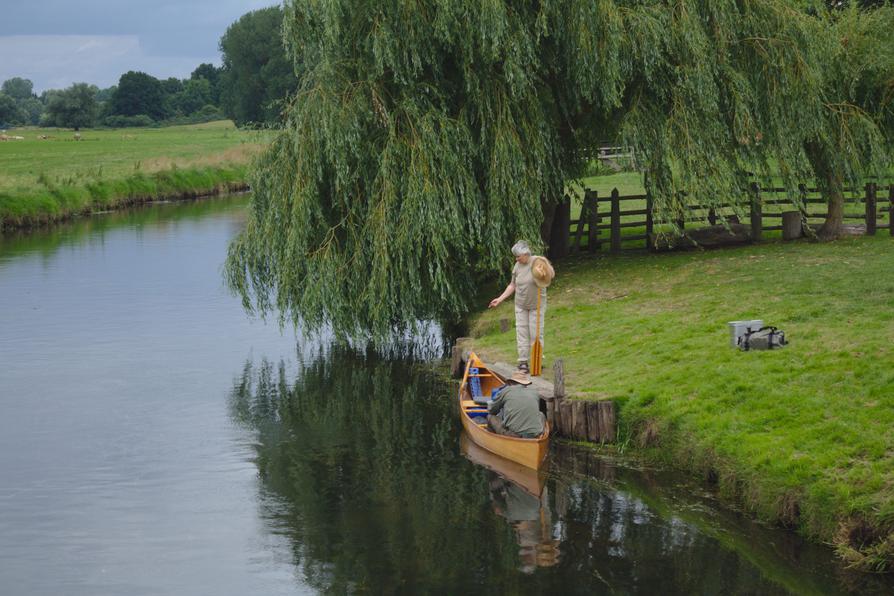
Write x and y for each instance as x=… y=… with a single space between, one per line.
x=605 y=221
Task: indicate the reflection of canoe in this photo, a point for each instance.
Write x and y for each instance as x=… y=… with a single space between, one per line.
x=528 y=452
x=529 y=479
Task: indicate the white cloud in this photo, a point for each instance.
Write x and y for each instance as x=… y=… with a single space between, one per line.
x=57 y=61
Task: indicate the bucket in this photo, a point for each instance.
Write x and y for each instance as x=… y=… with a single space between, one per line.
x=738 y=328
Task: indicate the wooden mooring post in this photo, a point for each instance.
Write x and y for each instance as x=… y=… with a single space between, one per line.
x=559 y=378
x=582 y=420
x=458 y=358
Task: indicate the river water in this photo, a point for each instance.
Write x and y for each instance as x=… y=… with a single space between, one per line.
x=154 y=439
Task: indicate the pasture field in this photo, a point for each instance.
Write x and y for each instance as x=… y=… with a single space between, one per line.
x=50 y=175
x=800 y=436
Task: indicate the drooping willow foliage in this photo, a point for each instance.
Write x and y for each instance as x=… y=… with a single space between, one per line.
x=428 y=135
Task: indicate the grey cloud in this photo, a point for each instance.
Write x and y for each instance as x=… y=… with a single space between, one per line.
x=164 y=38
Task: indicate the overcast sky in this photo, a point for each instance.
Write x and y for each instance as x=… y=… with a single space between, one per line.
x=59 y=42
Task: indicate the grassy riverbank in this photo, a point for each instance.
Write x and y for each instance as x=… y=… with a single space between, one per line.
x=801 y=436
x=49 y=175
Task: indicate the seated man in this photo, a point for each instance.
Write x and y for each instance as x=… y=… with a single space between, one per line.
x=516 y=410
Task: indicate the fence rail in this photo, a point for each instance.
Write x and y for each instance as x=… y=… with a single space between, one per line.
x=602 y=220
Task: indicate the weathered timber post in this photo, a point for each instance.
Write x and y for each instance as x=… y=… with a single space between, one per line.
x=456 y=362
x=593 y=428
x=616 y=221
x=712 y=216
x=891 y=209
x=579 y=420
x=457 y=356
x=551 y=412
x=650 y=221
x=579 y=233
x=791 y=225
x=871 y=213
x=558 y=378
x=557 y=416
x=756 y=214
x=566 y=421
x=593 y=223
x=607 y=421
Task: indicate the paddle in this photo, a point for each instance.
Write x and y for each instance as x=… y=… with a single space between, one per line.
x=537 y=347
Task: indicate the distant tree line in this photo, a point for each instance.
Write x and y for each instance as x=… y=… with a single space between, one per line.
x=249 y=88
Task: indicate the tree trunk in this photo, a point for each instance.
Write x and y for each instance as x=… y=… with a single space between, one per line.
x=831 y=184
x=559 y=230
x=833 y=226
x=546 y=225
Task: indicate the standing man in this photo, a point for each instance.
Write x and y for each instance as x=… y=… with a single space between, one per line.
x=530 y=276
x=516 y=411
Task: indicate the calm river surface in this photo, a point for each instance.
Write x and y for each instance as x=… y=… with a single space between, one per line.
x=154 y=439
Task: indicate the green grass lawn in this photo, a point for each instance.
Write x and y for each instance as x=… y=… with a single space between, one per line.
x=803 y=435
x=42 y=179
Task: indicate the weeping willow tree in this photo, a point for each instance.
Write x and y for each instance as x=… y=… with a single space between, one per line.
x=857 y=130
x=427 y=136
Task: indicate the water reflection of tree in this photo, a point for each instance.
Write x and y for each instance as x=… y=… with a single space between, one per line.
x=358 y=458
x=359 y=469
x=614 y=524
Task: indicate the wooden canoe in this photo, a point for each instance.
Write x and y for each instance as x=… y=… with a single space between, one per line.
x=528 y=452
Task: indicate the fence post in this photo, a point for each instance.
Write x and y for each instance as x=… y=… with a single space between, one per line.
x=681 y=221
x=871 y=212
x=593 y=223
x=616 y=221
x=756 y=215
x=575 y=244
x=650 y=221
x=712 y=216
x=891 y=209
